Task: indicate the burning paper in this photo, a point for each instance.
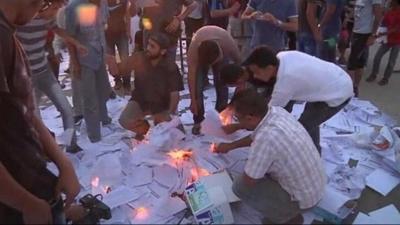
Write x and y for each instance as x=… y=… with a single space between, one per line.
x=87 y=14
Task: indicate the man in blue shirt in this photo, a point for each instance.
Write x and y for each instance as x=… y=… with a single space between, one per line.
x=272 y=19
x=85 y=21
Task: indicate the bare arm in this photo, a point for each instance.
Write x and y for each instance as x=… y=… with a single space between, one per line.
x=225 y=12
x=312 y=19
x=377 y=11
x=248 y=13
x=174 y=101
x=227 y=147
x=292 y=25
x=70 y=40
x=189 y=9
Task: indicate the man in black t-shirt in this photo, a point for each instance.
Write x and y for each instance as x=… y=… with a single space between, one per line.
x=157 y=86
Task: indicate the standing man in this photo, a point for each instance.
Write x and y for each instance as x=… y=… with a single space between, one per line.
x=157 y=86
x=26 y=144
x=272 y=20
x=118 y=34
x=367 y=18
x=220 y=11
x=166 y=17
x=284 y=175
x=33 y=37
x=86 y=21
x=195 y=20
x=323 y=85
x=211 y=46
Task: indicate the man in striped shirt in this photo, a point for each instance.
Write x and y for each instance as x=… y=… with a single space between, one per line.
x=284 y=174
x=33 y=38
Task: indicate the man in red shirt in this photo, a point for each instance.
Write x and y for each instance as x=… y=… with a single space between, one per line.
x=391 y=22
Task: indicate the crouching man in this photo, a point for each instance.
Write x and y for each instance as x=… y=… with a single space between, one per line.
x=157 y=86
x=284 y=175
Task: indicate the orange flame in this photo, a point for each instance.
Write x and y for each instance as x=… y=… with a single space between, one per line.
x=197 y=173
x=226 y=116
x=142 y=213
x=147 y=24
x=180 y=155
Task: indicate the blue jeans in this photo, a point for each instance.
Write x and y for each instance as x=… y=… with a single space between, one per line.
x=307 y=44
x=220 y=88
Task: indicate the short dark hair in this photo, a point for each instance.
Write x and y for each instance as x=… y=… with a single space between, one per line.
x=262 y=57
x=230 y=73
x=208 y=52
x=161 y=39
x=249 y=103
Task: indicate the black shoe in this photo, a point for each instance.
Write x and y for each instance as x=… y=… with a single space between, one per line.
x=371 y=78
x=74 y=149
x=383 y=82
x=113 y=95
x=78 y=119
x=196 y=129
x=355 y=90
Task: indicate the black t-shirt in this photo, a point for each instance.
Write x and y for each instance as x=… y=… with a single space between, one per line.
x=218 y=5
x=154 y=84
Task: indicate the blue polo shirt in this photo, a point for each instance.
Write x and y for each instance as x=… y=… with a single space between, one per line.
x=269 y=34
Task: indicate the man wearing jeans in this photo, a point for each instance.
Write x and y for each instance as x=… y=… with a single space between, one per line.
x=211 y=46
x=86 y=21
x=324 y=86
x=284 y=175
x=33 y=38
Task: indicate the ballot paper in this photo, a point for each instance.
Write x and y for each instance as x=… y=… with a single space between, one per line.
x=120 y=196
x=222 y=180
x=140 y=176
x=365 y=219
x=332 y=206
x=386 y=215
x=382 y=182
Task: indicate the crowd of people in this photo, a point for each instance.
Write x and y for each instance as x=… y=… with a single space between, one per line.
x=275 y=53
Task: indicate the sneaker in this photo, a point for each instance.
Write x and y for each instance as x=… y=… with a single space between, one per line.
x=113 y=95
x=371 y=78
x=118 y=84
x=74 y=149
x=383 y=82
x=196 y=129
x=78 y=120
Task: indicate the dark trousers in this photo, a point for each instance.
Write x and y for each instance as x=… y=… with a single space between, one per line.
x=316 y=113
x=220 y=88
x=122 y=43
x=191 y=27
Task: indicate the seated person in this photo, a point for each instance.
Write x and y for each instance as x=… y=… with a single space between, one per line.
x=284 y=174
x=241 y=78
x=157 y=85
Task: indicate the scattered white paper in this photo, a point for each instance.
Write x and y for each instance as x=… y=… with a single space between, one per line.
x=387 y=215
x=382 y=182
x=120 y=196
x=222 y=180
x=365 y=219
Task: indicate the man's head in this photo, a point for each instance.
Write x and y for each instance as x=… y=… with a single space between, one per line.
x=157 y=45
x=209 y=52
x=263 y=63
x=233 y=75
x=51 y=11
x=249 y=108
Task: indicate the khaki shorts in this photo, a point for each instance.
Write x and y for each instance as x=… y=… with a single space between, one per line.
x=133 y=114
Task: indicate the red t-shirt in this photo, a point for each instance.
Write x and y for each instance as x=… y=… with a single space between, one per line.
x=392 y=21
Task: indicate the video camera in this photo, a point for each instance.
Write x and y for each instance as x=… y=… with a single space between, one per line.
x=95 y=208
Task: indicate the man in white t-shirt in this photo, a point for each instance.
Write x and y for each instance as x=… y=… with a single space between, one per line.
x=300 y=77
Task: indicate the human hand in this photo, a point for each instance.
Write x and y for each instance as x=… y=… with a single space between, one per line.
x=231 y=128
x=256 y=15
x=268 y=17
x=223 y=148
x=37 y=211
x=173 y=26
x=68 y=183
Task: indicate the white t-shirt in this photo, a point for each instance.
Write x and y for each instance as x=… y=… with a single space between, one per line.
x=302 y=77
